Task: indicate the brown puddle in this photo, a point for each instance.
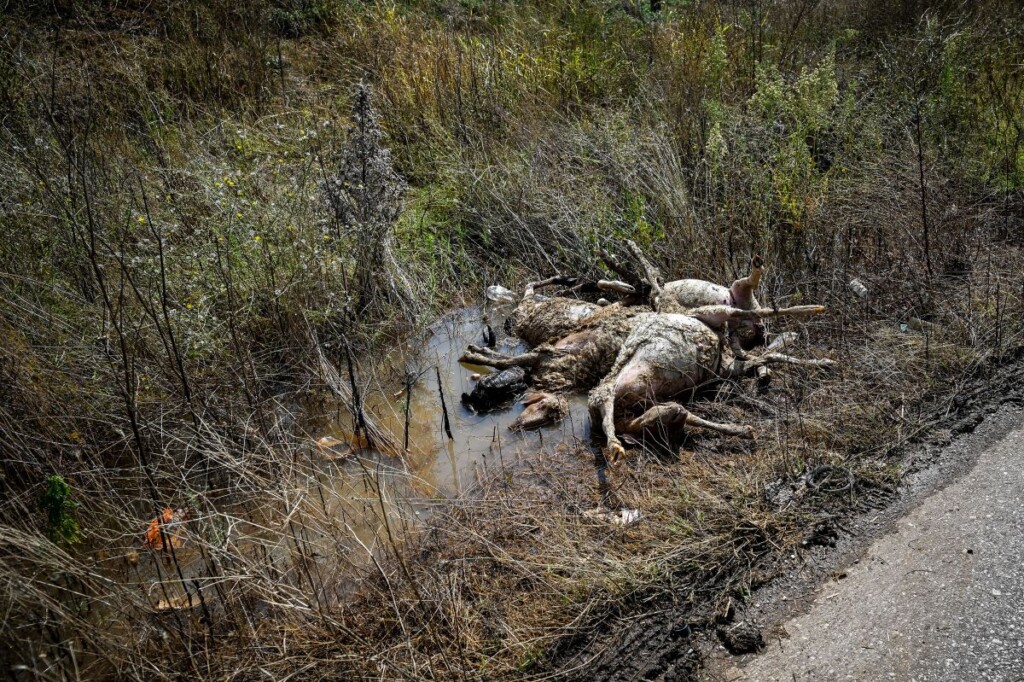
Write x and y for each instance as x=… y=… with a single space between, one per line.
x=436 y=465
x=355 y=499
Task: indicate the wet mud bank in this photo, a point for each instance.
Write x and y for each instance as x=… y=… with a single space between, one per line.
x=676 y=640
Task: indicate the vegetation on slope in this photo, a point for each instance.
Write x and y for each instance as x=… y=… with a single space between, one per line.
x=170 y=248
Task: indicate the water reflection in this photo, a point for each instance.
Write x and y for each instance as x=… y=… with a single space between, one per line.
x=437 y=465
x=344 y=505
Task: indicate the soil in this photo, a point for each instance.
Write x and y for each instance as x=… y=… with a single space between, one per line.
x=674 y=644
x=935 y=599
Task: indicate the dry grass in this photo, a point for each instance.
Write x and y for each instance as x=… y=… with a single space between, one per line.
x=500 y=580
x=167 y=252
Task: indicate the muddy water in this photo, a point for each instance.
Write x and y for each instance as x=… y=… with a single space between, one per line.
x=437 y=465
x=351 y=502
x=371 y=498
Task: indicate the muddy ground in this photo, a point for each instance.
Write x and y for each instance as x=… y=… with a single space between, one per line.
x=668 y=643
x=937 y=599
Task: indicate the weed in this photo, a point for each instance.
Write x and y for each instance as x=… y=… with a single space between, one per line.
x=204 y=212
x=56 y=503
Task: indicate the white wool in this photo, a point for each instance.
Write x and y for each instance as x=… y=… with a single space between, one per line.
x=692 y=293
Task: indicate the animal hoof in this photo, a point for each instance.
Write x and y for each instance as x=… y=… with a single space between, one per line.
x=614 y=453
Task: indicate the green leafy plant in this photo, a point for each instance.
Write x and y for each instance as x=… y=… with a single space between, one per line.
x=61 y=525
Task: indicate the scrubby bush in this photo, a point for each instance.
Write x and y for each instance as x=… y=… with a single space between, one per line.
x=56 y=502
x=202 y=212
x=366 y=196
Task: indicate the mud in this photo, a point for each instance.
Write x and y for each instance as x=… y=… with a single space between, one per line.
x=669 y=642
x=937 y=598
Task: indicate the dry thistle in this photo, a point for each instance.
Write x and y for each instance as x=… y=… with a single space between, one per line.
x=365 y=195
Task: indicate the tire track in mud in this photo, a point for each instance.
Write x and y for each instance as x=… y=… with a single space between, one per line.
x=658 y=649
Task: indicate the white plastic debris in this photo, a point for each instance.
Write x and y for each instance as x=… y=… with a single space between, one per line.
x=858 y=288
x=621 y=517
x=627 y=517
x=499 y=294
x=923 y=326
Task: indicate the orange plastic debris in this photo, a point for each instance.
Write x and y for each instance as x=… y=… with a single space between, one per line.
x=168 y=517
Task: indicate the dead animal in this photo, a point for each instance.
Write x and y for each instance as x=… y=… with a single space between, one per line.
x=591 y=337
x=578 y=360
x=666 y=358
x=542 y=319
x=496 y=390
x=695 y=293
x=541 y=409
x=683 y=294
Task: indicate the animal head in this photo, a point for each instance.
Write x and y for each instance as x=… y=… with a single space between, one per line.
x=496 y=390
x=541 y=409
x=751 y=334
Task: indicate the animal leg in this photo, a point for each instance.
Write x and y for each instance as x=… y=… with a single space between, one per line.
x=756 y=272
x=651 y=273
x=602 y=411
x=764 y=373
x=499 y=361
x=792 y=311
x=716 y=315
x=743 y=289
x=588 y=286
x=743 y=431
x=492 y=358
x=484 y=350
x=666 y=415
x=614 y=450
x=744 y=367
x=673 y=415
x=557 y=279
x=618 y=268
x=782 y=359
x=616 y=285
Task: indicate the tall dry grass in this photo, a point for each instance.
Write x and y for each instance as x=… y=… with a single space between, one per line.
x=168 y=249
